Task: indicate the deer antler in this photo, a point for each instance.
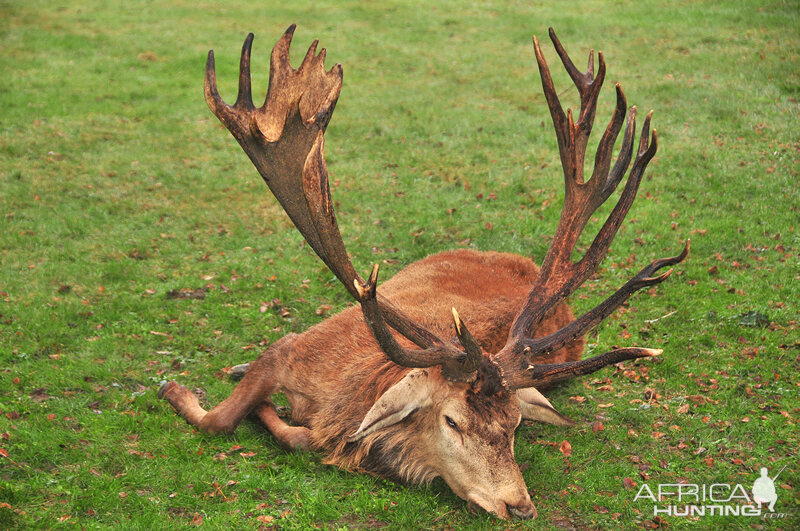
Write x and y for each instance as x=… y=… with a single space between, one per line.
x=559 y=275
x=284 y=140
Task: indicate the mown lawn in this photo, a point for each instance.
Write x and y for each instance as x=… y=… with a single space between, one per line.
x=119 y=189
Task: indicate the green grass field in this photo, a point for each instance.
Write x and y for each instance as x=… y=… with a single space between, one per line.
x=118 y=186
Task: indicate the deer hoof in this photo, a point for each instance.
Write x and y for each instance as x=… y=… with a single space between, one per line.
x=166 y=387
x=178 y=395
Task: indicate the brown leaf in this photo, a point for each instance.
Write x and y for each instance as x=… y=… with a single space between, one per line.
x=628 y=483
x=598 y=426
x=197 y=519
x=565 y=448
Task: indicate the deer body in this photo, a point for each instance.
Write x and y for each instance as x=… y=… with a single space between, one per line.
x=333 y=373
x=400 y=387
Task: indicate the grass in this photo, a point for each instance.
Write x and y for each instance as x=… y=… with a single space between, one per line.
x=118 y=186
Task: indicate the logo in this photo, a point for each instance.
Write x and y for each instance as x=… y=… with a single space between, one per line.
x=717 y=499
x=764 y=489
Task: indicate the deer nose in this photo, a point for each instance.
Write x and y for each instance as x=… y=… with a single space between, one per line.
x=524 y=510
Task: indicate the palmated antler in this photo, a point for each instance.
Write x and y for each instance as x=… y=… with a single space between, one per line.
x=559 y=275
x=284 y=140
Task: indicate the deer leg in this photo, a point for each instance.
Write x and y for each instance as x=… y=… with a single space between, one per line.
x=256 y=386
x=221 y=419
x=292 y=438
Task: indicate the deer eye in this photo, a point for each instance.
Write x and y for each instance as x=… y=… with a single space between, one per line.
x=450 y=422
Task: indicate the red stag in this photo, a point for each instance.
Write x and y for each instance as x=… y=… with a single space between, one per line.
x=388 y=389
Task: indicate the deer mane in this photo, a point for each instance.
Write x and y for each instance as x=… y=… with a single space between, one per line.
x=389 y=452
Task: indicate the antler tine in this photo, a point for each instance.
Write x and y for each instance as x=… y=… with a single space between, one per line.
x=602 y=241
x=624 y=157
x=220 y=109
x=550 y=373
x=284 y=140
x=559 y=276
x=602 y=161
x=588 y=86
x=560 y=122
x=244 y=99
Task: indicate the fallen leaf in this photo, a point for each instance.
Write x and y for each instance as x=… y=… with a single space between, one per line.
x=628 y=483
x=565 y=448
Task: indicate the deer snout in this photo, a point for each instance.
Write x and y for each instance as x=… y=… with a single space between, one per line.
x=524 y=511
x=522 y=508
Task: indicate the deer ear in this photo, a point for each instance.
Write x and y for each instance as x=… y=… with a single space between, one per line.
x=535 y=406
x=403 y=398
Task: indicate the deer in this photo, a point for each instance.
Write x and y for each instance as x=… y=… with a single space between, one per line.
x=398 y=386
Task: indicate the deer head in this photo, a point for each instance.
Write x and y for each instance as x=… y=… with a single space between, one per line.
x=454 y=411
